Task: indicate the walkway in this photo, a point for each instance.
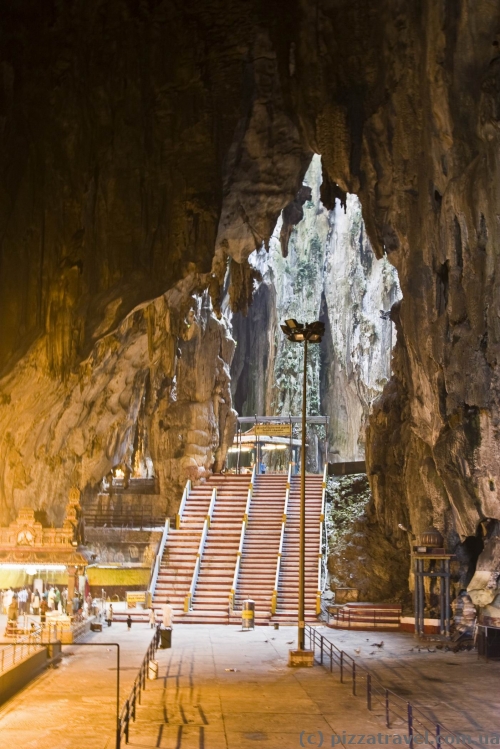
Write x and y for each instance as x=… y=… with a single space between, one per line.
x=459 y=689
x=221 y=688
x=74 y=705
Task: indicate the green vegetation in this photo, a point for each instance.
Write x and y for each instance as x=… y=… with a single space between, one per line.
x=347 y=497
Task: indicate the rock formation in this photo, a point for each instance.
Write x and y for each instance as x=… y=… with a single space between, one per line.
x=143 y=141
x=320 y=265
x=165 y=366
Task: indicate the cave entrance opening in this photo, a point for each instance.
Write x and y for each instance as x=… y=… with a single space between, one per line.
x=318 y=265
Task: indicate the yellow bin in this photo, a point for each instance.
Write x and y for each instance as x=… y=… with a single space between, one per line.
x=248 y=614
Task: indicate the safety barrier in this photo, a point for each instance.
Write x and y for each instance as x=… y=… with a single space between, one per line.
x=242 y=539
x=188 y=601
x=321 y=542
x=180 y=511
x=157 y=563
x=11 y=655
x=128 y=710
x=398 y=712
x=274 y=599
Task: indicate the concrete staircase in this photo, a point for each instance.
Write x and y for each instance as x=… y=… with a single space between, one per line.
x=287 y=608
x=258 y=540
x=218 y=561
x=179 y=557
x=261 y=547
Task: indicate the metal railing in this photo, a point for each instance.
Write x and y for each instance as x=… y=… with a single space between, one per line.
x=188 y=601
x=360 y=617
x=244 y=524
x=274 y=599
x=180 y=511
x=139 y=517
x=320 y=554
x=128 y=710
x=157 y=563
x=398 y=712
x=48 y=632
x=10 y=655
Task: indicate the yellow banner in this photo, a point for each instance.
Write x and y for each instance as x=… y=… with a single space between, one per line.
x=135 y=597
x=271 y=430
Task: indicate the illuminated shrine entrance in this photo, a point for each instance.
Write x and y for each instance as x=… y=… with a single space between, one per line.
x=270 y=443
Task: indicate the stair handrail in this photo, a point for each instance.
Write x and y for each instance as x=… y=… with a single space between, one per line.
x=157 y=563
x=244 y=524
x=321 y=529
x=274 y=599
x=182 y=506
x=188 y=601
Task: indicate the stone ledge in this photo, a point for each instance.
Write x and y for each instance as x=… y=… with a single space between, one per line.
x=22 y=673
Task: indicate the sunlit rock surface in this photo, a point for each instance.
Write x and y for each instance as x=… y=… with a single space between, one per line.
x=165 y=368
x=330 y=273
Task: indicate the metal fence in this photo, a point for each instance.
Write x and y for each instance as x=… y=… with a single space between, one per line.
x=129 y=708
x=17 y=652
x=398 y=712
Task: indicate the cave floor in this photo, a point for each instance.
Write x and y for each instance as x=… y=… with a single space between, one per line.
x=221 y=687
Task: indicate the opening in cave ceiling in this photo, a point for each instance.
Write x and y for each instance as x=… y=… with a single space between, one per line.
x=320 y=265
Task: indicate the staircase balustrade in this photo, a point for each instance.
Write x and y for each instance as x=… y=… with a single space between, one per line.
x=180 y=511
x=157 y=562
x=188 y=601
x=320 y=555
x=274 y=600
x=244 y=524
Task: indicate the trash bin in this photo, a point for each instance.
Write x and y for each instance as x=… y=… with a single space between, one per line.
x=165 y=638
x=248 y=614
x=153 y=670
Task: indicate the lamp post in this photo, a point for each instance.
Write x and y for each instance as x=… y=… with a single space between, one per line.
x=300 y=333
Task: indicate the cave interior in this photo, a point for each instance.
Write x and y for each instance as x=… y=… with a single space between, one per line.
x=177 y=178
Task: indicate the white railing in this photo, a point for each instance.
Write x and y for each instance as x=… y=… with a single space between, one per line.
x=274 y=599
x=180 y=511
x=188 y=601
x=320 y=554
x=157 y=563
x=242 y=538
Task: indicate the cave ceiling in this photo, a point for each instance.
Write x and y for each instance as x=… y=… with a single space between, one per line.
x=146 y=143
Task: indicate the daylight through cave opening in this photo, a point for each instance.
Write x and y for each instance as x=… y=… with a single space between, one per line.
x=319 y=265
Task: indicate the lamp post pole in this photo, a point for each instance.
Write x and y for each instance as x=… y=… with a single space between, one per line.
x=299 y=333
x=302 y=541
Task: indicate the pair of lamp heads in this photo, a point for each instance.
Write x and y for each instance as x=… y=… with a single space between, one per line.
x=297 y=332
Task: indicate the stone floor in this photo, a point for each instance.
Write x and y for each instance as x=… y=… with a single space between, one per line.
x=224 y=688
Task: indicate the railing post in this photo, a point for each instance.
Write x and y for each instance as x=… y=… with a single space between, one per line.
x=321 y=642
x=331 y=658
x=387 y=716
x=438 y=736
x=341 y=666
x=354 y=678
x=369 y=691
x=410 y=724
x=127 y=719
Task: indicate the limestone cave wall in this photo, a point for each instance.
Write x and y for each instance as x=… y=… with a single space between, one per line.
x=144 y=142
x=330 y=273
